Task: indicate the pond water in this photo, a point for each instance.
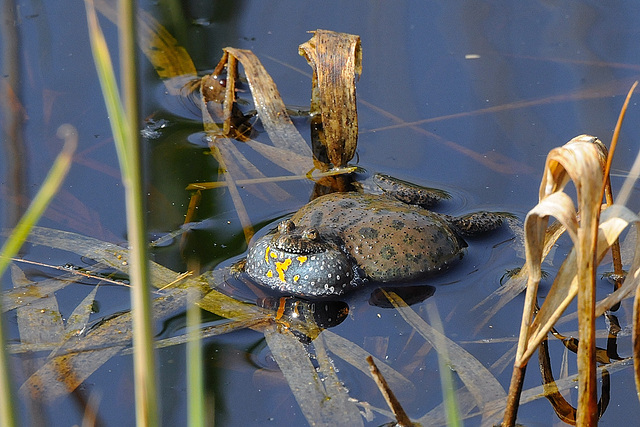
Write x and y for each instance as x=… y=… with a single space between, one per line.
x=466 y=96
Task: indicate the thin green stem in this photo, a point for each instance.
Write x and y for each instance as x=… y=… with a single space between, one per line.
x=452 y=412
x=144 y=362
x=195 y=378
x=124 y=125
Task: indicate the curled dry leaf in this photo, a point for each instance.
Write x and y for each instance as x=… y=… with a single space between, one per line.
x=582 y=161
x=336 y=59
x=578 y=160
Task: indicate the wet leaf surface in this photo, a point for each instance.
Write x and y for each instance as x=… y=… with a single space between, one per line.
x=336 y=60
x=321 y=396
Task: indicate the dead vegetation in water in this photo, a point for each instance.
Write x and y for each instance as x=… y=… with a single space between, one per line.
x=78 y=348
x=73 y=350
x=223 y=122
x=594 y=229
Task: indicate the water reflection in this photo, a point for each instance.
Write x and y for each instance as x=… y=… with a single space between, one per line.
x=563 y=409
x=14 y=116
x=326 y=314
x=410 y=294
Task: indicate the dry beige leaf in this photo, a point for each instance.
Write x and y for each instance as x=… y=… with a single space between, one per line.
x=582 y=161
x=336 y=59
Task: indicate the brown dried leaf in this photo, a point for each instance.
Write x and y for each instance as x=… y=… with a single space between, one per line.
x=336 y=59
x=271 y=109
x=582 y=161
x=579 y=160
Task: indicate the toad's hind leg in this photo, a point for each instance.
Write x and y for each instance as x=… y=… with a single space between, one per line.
x=408 y=192
x=477 y=222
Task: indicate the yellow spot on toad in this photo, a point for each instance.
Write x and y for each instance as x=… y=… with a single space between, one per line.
x=296 y=278
x=266 y=254
x=302 y=259
x=281 y=267
x=269 y=273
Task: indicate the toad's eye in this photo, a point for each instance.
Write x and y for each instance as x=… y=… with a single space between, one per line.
x=286 y=226
x=310 y=234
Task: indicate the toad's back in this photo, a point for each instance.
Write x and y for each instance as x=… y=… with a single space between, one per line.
x=389 y=240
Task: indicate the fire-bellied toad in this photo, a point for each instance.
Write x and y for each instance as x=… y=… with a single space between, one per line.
x=338 y=241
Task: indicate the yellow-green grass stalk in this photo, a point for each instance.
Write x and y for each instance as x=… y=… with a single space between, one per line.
x=49 y=188
x=195 y=377
x=450 y=399
x=124 y=126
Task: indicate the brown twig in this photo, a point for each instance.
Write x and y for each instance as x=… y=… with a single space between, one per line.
x=606 y=187
x=401 y=416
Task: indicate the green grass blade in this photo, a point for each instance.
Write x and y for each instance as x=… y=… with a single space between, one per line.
x=124 y=125
x=195 y=377
x=49 y=188
x=144 y=361
x=444 y=366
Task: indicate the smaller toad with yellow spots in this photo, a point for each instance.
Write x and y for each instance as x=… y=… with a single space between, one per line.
x=339 y=241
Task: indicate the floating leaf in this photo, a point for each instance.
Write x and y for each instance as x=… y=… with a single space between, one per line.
x=39 y=322
x=322 y=402
x=79 y=318
x=29 y=292
x=112 y=255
